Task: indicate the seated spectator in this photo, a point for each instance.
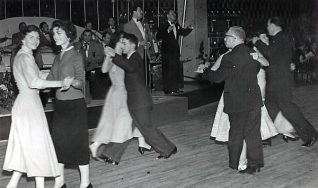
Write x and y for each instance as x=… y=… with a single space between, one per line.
x=111 y=27
x=45 y=37
x=96 y=35
x=106 y=38
x=93 y=54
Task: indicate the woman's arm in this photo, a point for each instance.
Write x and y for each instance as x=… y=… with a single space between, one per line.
x=79 y=79
x=217 y=64
x=31 y=74
x=261 y=59
x=107 y=64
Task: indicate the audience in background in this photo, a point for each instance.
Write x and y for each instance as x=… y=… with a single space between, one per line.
x=93 y=55
x=96 y=35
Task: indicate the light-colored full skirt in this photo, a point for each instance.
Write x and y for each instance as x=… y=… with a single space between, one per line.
x=30 y=148
x=115 y=124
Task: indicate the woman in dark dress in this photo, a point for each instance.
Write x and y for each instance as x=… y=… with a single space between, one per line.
x=69 y=131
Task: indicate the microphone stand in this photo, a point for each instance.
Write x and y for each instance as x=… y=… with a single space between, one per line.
x=146 y=66
x=146 y=60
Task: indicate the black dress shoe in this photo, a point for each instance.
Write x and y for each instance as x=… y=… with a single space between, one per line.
x=267 y=142
x=179 y=91
x=287 y=138
x=142 y=150
x=108 y=160
x=63 y=186
x=174 y=151
x=171 y=93
x=310 y=142
x=250 y=170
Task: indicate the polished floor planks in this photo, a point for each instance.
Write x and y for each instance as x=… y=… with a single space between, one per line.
x=202 y=163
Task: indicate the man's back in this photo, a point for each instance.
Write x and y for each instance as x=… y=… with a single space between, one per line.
x=279 y=54
x=138 y=95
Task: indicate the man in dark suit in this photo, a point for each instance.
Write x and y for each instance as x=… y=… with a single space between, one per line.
x=45 y=37
x=139 y=104
x=111 y=27
x=242 y=99
x=172 y=68
x=279 y=80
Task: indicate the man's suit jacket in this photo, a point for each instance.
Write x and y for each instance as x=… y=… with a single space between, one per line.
x=44 y=41
x=17 y=38
x=138 y=95
x=95 y=54
x=239 y=71
x=110 y=30
x=279 y=78
x=132 y=28
x=170 y=43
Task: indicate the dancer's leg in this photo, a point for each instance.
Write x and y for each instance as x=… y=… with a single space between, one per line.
x=93 y=148
x=13 y=183
x=59 y=180
x=84 y=171
x=142 y=142
x=243 y=160
x=39 y=182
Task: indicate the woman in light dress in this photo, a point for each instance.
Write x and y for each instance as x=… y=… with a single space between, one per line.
x=115 y=124
x=30 y=148
x=221 y=124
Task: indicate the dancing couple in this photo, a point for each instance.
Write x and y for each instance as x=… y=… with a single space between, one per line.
x=132 y=103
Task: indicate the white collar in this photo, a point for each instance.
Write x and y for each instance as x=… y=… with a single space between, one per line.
x=128 y=55
x=171 y=23
x=135 y=20
x=67 y=49
x=27 y=50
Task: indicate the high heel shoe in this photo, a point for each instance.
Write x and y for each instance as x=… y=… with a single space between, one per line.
x=267 y=142
x=90 y=186
x=142 y=150
x=287 y=138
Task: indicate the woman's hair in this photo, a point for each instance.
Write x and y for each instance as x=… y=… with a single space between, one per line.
x=67 y=26
x=29 y=29
x=115 y=37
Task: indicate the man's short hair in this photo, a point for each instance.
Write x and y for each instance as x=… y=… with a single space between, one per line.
x=277 y=21
x=238 y=32
x=131 y=38
x=135 y=7
x=42 y=24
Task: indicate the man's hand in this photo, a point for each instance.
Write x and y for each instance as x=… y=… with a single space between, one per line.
x=170 y=28
x=190 y=27
x=109 y=51
x=292 y=67
x=254 y=55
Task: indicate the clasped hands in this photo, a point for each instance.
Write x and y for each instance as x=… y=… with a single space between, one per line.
x=67 y=82
x=262 y=37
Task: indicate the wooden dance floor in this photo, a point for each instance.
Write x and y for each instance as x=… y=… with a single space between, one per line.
x=200 y=162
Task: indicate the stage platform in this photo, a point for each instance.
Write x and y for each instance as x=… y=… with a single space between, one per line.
x=167 y=108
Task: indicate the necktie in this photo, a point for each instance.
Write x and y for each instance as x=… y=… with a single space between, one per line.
x=85 y=45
